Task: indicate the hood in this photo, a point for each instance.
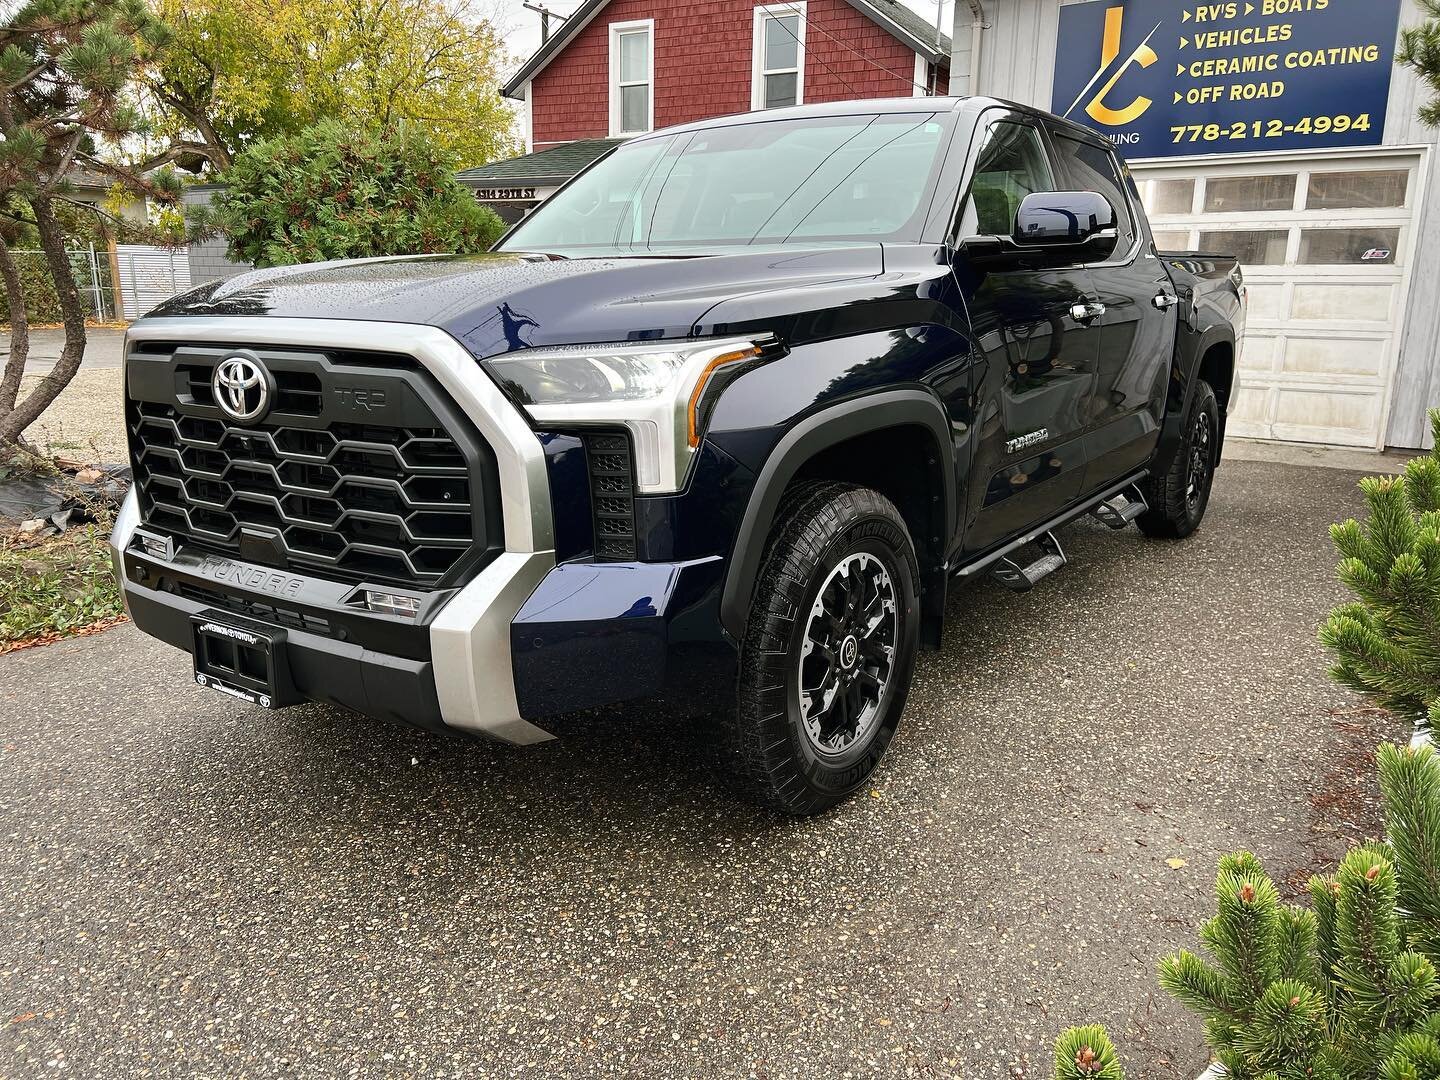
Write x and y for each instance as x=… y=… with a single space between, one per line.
x=500 y=302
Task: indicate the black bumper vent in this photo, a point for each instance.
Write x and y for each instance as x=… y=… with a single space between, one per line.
x=397 y=489
x=611 y=464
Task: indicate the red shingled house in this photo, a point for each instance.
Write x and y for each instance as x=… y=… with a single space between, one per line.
x=617 y=68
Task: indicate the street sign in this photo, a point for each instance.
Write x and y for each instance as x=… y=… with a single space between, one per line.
x=1164 y=78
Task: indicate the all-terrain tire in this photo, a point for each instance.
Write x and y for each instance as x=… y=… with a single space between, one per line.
x=1179 y=496
x=842 y=540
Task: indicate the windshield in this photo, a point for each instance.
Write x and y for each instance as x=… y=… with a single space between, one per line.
x=809 y=180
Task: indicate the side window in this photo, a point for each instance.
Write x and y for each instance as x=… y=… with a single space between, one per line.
x=1093 y=168
x=1011 y=164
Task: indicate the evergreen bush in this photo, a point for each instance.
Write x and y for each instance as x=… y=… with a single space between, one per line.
x=1387 y=641
x=330 y=192
x=1344 y=990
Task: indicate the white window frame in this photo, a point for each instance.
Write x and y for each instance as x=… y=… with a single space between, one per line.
x=616 y=113
x=758 y=71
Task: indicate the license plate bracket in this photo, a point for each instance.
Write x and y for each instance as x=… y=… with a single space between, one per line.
x=242 y=659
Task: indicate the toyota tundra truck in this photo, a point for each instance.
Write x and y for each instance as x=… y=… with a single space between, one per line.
x=727 y=419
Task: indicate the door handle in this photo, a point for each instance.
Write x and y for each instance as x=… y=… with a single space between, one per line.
x=1163 y=301
x=1083 y=311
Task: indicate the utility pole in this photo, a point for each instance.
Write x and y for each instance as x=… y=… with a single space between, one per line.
x=545 y=16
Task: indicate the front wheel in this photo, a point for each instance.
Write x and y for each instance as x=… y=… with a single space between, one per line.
x=829 y=650
x=1178 y=498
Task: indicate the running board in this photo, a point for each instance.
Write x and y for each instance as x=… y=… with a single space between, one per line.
x=973 y=567
x=1019 y=578
x=1120 y=510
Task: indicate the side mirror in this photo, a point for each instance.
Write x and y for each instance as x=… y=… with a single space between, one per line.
x=1066 y=220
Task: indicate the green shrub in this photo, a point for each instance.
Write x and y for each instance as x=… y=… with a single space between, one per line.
x=332 y=193
x=1344 y=990
x=1387 y=641
x=56 y=586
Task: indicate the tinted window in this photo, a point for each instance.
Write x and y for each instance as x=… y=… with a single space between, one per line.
x=833 y=178
x=1011 y=165
x=1093 y=168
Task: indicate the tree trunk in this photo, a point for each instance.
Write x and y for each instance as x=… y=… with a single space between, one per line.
x=52 y=241
x=19 y=332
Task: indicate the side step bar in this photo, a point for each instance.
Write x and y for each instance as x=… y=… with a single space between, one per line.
x=1024 y=578
x=1120 y=510
x=987 y=560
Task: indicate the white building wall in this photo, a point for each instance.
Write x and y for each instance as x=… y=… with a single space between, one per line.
x=1017 y=62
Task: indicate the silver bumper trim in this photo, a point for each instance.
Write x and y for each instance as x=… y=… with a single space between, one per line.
x=121 y=533
x=470 y=637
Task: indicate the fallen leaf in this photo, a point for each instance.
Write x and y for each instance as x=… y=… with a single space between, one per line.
x=1176 y=864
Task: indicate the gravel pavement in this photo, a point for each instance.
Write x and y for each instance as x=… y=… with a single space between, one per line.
x=190 y=887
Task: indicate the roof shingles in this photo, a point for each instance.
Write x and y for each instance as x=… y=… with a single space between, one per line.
x=554 y=165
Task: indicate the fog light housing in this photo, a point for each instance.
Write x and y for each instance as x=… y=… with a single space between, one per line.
x=384 y=603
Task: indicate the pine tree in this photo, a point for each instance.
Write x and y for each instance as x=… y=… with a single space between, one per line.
x=1345 y=990
x=67 y=69
x=1387 y=641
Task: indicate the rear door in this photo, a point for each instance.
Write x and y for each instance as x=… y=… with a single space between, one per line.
x=1036 y=360
x=1137 y=326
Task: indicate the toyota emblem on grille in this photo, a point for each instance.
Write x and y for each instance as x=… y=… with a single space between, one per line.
x=242 y=388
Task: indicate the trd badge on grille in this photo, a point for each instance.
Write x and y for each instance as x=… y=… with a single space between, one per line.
x=242 y=387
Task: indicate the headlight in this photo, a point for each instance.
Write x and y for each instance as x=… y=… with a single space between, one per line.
x=658 y=391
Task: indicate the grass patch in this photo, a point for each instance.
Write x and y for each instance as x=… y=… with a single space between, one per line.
x=56 y=586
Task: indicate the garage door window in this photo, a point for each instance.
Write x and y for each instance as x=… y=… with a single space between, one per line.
x=1235 y=194
x=1348 y=247
x=1253 y=247
x=1360 y=189
x=1172 y=239
x=1171 y=196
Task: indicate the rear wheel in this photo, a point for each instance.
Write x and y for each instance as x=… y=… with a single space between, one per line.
x=829 y=650
x=1178 y=498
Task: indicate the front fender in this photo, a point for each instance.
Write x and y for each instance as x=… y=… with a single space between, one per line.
x=815 y=433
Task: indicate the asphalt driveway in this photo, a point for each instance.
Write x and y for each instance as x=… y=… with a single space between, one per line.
x=192 y=887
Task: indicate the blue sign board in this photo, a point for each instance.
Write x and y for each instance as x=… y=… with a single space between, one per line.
x=1164 y=78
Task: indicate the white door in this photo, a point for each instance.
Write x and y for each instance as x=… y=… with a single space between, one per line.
x=1325 y=247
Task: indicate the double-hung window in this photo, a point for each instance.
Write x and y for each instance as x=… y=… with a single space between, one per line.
x=632 y=77
x=779 y=58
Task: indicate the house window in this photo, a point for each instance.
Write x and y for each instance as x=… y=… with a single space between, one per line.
x=632 y=77
x=779 y=67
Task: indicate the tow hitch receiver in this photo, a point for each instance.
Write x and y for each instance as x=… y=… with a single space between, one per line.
x=245 y=660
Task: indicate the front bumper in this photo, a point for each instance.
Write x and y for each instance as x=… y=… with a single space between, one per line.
x=453 y=673
x=524 y=640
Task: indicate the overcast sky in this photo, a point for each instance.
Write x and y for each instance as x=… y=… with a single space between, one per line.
x=522 y=27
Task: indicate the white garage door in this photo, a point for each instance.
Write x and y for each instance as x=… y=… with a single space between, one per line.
x=1324 y=244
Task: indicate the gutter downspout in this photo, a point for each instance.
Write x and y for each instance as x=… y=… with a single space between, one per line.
x=977 y=35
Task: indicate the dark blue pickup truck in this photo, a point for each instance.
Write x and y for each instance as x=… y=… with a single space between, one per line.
x=724 y=419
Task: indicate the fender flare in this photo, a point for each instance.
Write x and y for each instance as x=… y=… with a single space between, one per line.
x=1177 y=405
x=815 y=433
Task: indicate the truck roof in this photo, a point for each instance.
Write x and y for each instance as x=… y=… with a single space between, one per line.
x=855 y=106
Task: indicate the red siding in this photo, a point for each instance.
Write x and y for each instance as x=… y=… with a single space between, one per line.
x=702 y=65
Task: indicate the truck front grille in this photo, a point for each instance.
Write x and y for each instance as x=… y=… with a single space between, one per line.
x=393 y=494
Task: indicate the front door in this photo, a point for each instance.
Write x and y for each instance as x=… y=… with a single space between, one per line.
x=1037 y=350
x=1136 y=327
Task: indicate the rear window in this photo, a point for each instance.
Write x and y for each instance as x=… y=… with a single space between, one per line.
x=777 y=182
